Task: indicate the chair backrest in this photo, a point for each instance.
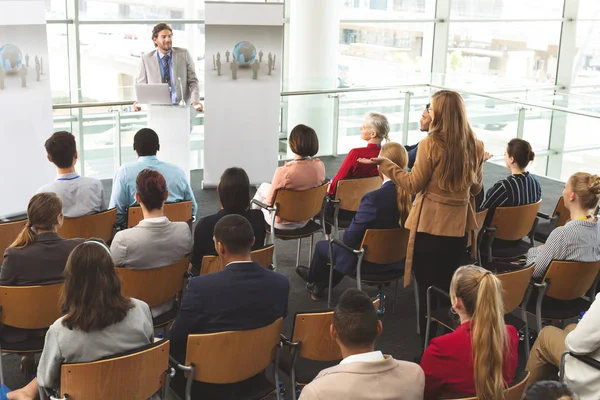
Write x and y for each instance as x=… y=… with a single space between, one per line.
x=8 y=233
x=30 y=307
x=153 y=286
x=570 y=280
x=176 y=212
x=233 y=356
x=351 y=191
x=514 y=223
x=563 y=212
x=513 y=392
x=312 y=330
x=480 y=219
x=514 y=286
x=100 y=225
x=300 y=205
x=211 y=264
x=134 y=376
x=385 y=246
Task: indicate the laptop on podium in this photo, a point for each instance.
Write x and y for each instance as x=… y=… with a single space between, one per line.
x=153 y=93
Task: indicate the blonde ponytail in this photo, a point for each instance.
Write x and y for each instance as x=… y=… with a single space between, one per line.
x=397 y=154
x=43 y=212
x=481 y=294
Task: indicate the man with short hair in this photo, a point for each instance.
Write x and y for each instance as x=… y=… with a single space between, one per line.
x=146 y=145
x=242 y=296
x=363 y=373
x=80 y=195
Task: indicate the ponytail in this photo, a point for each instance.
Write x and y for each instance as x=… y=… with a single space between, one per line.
x=43 y=212
x=397 y=154
x=489 y=339
x=25 y=238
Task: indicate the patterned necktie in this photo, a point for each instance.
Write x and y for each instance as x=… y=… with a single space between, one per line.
x=167 y=70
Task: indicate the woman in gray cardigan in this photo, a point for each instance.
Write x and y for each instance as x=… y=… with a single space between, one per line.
x=98 y=322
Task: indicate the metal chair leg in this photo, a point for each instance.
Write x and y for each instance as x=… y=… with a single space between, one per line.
x=310 y=249
x=330 y=274
x=416 y=291
x=188 y=384
x=428 y=322
x=298 y=252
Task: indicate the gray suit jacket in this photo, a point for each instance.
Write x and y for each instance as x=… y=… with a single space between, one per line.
x=184 y=68
x=388 y=379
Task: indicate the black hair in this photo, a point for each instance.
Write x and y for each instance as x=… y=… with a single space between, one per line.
x=145 y=142
x=235 y=233
x=550 y=390
x=61 y=149
x=304 y=141
x=355 y=319
x=521 y=151
x=234 y=190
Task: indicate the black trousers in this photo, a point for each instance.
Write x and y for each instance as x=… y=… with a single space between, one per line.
x=435 y=259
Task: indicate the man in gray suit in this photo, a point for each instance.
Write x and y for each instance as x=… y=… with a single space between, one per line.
x=168 y=64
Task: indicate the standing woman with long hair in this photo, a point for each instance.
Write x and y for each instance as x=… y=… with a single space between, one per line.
x=446 y=177
x=480 y=357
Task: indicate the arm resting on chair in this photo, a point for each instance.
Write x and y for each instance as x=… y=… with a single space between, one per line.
x=345 y=246
x=262 y=205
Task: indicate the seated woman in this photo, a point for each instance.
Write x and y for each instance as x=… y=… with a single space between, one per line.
x=155 y=242
x=480 y=357
x=374 y=130
x=583 y=339
x=384 y=208
x=518 y=189
x=98 y=322
x=234 y=196
x=302 y=173
x=39 y=254
x=578 y=239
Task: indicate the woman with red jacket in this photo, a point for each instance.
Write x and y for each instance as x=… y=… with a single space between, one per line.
x=480 y=357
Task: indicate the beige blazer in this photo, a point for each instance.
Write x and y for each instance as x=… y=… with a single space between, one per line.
x=388 y=379
x=183 y=67
x=435 y=211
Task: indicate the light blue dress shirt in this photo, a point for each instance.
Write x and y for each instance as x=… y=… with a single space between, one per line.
x=81 y=195
x=123 y=190
x=172 y=72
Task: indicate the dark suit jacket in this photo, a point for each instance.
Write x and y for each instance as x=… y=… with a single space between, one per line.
x=203 y=234
x=40 y=263
x=412 y=154
x=242 y=296
x=377 y=210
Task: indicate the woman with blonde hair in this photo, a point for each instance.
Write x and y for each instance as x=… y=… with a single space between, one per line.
x=480 y=357
x=579 y=238
x=445 y=178
x=384 y=208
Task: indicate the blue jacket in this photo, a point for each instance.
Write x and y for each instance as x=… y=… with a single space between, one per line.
x=378 y=210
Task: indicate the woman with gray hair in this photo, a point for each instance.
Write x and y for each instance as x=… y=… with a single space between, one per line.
x=374 y=130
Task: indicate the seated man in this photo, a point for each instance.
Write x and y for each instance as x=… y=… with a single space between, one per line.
x=363 y=373
x=242 y=296
x=80 y=195
x=146 y=145
x=582 y=339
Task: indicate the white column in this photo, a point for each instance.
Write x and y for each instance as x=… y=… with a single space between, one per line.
x=441 y=31
x=313 y=62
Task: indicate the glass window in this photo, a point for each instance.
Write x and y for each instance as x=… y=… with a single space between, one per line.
x=587 y=60
x=58 y=63
x=383 y=54
x=506 y=9
x=387 y=9
x=140 y=9
x=56 y=9
x=491 y=55
x=110 y=57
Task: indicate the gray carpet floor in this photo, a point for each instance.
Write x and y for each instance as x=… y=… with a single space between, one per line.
x=399 y=328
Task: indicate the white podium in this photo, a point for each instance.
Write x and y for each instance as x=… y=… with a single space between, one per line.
x=173 y=126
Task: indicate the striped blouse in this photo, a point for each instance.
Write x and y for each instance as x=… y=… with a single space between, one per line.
x=575 y=241
x=514 y=190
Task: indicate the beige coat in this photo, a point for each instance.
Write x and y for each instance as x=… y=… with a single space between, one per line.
x=388 y=379
x=435 y=211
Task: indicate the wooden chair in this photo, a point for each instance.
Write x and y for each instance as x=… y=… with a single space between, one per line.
x=28 y=307
x=296 y=206
x=8 y=233
x=561 y=293
x=312 y=348
x=513 y=392
x=348 y=194
x=135 y=376
x=511 y=224
x=100 y=225
x=264 y=257
x=232 y=357
x=559 y=217
x=515 y=286
x=379 y=246
x=176 y=212
x=155 y=286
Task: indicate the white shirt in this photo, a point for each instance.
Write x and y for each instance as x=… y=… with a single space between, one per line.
x=371 y=356
x=80 y=195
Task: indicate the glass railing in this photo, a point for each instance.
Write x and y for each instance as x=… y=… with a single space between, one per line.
x=560 y=127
